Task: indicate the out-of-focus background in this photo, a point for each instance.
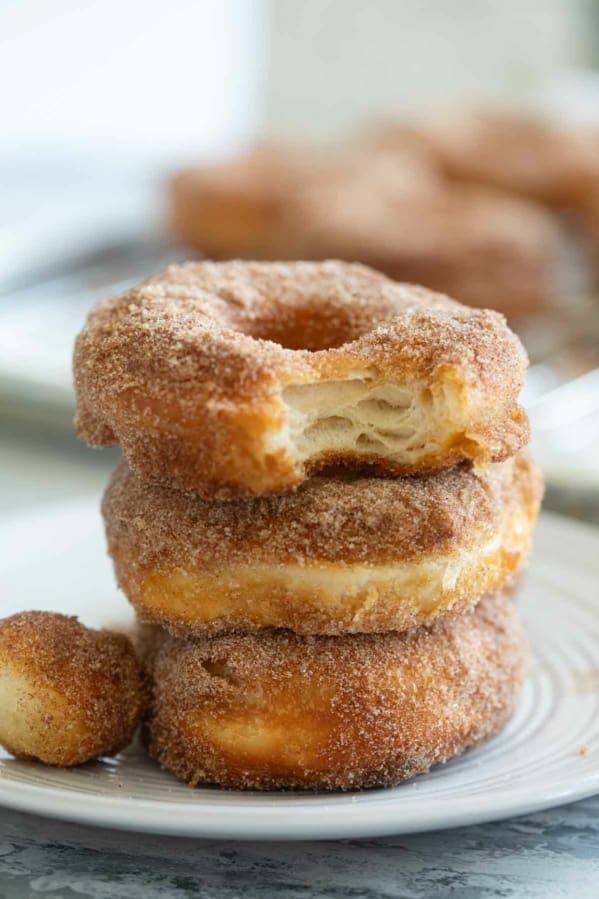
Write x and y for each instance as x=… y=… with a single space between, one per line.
x=102 y=101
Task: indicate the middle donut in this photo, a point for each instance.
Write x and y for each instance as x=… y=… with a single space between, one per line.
x=348 y=554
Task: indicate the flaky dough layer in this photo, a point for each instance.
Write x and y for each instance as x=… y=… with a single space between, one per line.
x=280 y=711
x=243 y=378
x=339 y=555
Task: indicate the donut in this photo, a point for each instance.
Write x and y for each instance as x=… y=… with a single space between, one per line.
x=238 y=378
x=339 y=555
x=481 y=246
x=276 y=710
x=591 y=226
x=535 y=157
x=232 y=207
x=68 y=694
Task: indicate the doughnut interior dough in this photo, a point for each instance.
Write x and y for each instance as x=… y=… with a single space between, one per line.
x=28 y=735
x=388 y=421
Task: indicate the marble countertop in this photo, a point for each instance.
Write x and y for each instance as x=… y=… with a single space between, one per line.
x=548 y=855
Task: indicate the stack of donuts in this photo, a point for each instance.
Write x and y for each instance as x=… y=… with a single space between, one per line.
x=323 y=503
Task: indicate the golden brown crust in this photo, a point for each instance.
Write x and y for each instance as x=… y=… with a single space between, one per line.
x=188 y=372
x=280 y=711
x=69 y=693
x=481 y=246
x=339 y=555
x=536 y=158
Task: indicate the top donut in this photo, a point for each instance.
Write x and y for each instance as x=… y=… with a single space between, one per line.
x=243 y=378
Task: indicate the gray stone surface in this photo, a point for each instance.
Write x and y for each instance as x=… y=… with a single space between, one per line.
x=549 y=855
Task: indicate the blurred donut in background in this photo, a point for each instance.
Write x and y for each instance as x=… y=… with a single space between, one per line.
x=591 y=222
x=232 y=207
x=534 y=157
x=461 y=202
x=386 y=200
x=484 y=247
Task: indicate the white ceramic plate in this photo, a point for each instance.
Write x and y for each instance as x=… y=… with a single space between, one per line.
x=548 y=754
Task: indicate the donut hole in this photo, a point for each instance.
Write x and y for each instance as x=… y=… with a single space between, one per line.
x=36 y=721
x=313 y=327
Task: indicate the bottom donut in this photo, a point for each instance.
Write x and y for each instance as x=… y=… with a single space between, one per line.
x=276 y=710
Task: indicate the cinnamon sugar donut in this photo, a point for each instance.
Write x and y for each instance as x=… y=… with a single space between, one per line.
x=548 y=162
x=243 y=378
x=481 y=246
x=232 y=208
x=339 y=555
x=591 y=224
x=67 y=693
x=235 y=207
x=277 y=711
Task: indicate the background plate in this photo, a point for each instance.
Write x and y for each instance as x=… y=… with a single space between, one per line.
x=548 y=754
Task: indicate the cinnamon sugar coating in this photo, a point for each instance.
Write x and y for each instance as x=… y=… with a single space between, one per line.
x=341 y=554
x=196 y=374
x=280 y=711
x=67 y=693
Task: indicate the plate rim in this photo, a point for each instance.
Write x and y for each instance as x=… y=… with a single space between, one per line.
x=269 y=823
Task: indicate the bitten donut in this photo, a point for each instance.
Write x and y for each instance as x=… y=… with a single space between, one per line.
x=525 y=154
x=67 y=693
x=481 y=246
x=232 y=207
x=243 y=378
x=339 y=555
x=279 y=711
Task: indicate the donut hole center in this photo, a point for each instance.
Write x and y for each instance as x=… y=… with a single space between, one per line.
x=313 y=327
